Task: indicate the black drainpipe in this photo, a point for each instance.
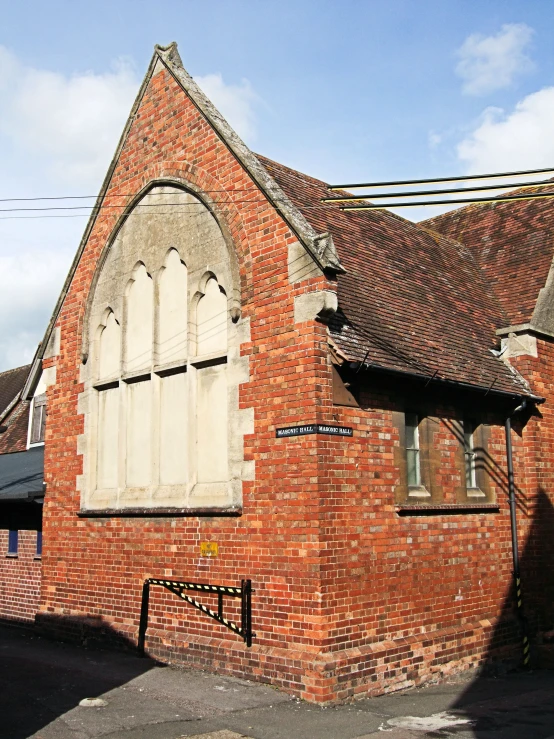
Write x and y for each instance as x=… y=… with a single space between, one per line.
x=513 y=523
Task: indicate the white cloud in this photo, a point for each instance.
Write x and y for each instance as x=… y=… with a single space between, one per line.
x=70 y=122
x=29 y=284
x=235 y=102
x=58 y=133
x=489 y=63
x=520 y=139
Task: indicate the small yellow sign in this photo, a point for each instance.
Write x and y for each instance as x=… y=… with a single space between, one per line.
x=209 y=549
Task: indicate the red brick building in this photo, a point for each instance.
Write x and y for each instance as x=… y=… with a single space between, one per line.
x=246 y=383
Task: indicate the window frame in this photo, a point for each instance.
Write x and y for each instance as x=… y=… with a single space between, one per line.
x=39 y=402
x=426 y=492
x=481 y=490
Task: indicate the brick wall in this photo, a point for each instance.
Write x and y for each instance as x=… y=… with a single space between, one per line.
x=94 y=568
x=351 y=597
x=409 y=595
x=535 y=470
x=19 y=578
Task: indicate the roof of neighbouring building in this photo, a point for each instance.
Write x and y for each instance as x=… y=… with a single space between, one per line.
x=513 y=243
x=14 y=413
x=11 y=383
x=21 y=474
x=411 y=299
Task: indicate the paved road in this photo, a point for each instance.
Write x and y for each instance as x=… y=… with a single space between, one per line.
x=42 y=684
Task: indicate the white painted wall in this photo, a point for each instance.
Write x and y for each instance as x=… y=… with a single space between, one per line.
x=139 y=323
x=172 y=313
x=174 y=421
x=139 y=434
x=109 y=359
x=212 y=426
x=108 y=438
x=211 y=320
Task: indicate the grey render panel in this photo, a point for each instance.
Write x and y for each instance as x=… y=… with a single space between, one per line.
x=22 y=474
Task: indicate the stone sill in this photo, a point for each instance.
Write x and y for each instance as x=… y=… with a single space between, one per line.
x=158 y=512
x=432 y=509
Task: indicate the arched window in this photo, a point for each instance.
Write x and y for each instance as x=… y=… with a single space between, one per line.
x=160 y=398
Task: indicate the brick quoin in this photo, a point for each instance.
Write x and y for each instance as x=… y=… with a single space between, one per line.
x=350 y=598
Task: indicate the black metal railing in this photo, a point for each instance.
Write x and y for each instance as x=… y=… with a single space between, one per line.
x=180 y=589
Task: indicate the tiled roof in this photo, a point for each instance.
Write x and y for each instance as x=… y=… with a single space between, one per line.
x=411 y=299
x=11 y=383
x=513 y=242
x=14 y=439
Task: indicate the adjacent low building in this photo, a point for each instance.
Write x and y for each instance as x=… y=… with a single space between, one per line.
x=22 y=423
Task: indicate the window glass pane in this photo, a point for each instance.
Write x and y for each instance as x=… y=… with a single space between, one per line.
x=13 y=537
x=35 y=425
x=413 y=467
x=39 y=543
x=411 y=431
x=470 y=470
x=469 y=455
x=42 y=423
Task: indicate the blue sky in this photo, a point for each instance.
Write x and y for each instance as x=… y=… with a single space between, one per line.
x=344 y=91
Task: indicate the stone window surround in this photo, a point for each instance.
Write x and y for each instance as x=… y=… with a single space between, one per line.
x=429 y=494
x=237 y=372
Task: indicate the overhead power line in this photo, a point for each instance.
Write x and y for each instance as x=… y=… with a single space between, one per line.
x=121 y=195
x=420 y=193
x=460 y=178
x=419 y=203
x=123 y=206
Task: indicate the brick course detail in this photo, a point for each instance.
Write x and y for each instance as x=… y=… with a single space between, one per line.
x=20 y=578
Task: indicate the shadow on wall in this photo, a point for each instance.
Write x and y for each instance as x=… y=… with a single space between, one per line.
x=42 y=680
x=493 y=700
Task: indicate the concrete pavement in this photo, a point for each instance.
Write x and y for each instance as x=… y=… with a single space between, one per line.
x=42 y=684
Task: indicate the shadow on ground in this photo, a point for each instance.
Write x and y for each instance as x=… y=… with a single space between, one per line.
x=42 y=680
x=493 y=701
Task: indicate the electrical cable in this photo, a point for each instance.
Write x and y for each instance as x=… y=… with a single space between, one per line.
x=448 y=191
x=501 y=199
x=460 y=178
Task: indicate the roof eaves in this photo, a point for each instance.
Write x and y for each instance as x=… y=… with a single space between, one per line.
x=8 y=409
x=517 y=393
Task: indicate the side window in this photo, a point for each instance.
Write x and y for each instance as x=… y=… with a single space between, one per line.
x=412 y=451
x=38 y=421
x=476 y=476
x=38 y=552
x=416 y=459
x=470 y=455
